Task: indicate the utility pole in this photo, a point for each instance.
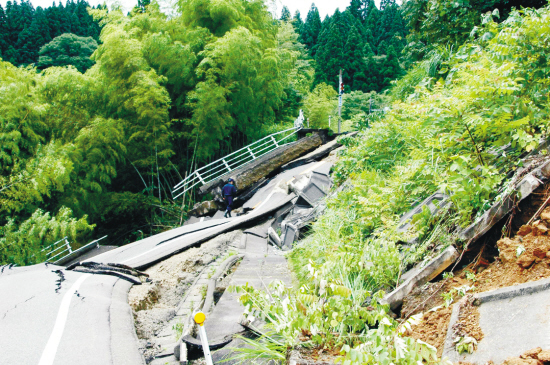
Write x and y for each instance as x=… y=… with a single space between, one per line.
x=340 y=92
x=370 y=105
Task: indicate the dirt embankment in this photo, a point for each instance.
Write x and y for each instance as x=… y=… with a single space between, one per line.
x=155 y=303
x=523 y=258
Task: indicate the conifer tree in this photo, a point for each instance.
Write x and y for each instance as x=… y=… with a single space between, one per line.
x=356 y=9
x=23 y=29
x=311 y=29
x=330 y=56
x=354 y=65
x=3 y=32
x=297 y=22
x=390 y=68
x=285 y=14
x=33 y=37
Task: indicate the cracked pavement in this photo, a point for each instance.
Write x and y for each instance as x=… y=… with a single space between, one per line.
x=47 y=321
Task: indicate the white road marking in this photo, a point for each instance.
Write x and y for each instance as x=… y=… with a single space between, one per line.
x=313 y=167
x=265 y=201
x=48 y=356
x=202 y=218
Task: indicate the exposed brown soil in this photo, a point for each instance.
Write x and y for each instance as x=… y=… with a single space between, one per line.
x=433 y=328
x=468 y=320
x=316 y=356
x=524 y=258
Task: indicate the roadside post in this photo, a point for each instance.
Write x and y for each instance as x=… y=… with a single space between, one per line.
x=340 y=93
x=199 y=318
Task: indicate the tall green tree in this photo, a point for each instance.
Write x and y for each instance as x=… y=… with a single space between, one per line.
x=311 y=29
x=285 y=14
x=24 y=30
x=4 y=34
x=298 y=22
x=68 y=49
x=354 y=66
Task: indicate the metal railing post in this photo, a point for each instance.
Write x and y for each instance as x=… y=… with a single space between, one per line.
x=199 y=176
x=274 y=141
x=68 y=246
x=249 y=150
x=226 y=165
x=199 y=318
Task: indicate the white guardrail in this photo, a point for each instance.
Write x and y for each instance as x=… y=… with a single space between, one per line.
x=237 y=159
x=61 y=250
x=57 y=248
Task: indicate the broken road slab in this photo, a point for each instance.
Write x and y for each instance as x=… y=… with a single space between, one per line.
x=264 y=166
x=144 y=254
x=261 y=265
x=513 y=320
x=500 y=209
x=421 y=276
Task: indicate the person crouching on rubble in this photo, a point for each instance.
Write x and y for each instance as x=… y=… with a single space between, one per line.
x=228 y=192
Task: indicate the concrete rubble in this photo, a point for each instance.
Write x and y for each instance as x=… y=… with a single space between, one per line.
x=434 y=203
x=205 y=208
x=311 y=189
x=529 y=182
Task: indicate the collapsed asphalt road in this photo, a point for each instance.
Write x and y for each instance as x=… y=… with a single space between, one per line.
x=50 y=315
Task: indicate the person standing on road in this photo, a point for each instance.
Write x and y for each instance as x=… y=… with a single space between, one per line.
x=229 y=191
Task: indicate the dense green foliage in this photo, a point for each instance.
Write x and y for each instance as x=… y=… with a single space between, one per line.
x=68 y=49
x=442 y=22
x=164 y=95
x=443 y=132
x=364 y=41
x=24 y=29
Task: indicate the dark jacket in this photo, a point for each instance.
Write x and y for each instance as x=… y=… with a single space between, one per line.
x=229 y=189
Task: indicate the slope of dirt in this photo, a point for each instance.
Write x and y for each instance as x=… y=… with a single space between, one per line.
x=433 y=328
x=524 y=258
x=155 y=303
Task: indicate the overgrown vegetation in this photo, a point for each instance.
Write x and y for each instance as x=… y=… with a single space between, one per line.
x=457 y=124
x=107 y=135
x=164 y=95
